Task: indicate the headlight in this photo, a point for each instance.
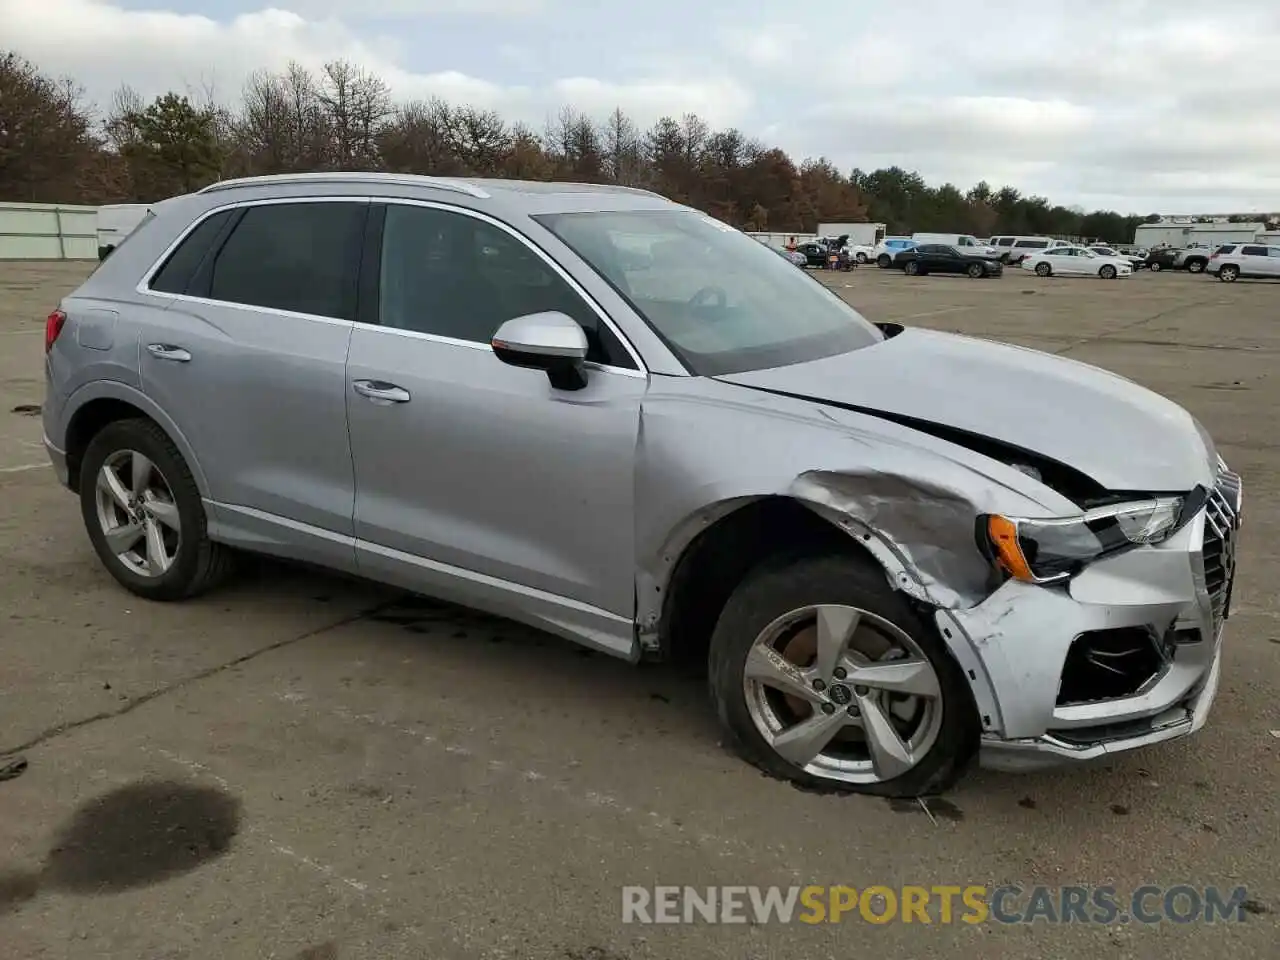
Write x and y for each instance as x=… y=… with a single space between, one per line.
x=1046 y=551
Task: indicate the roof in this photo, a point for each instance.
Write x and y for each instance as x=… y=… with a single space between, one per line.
x=530 y=196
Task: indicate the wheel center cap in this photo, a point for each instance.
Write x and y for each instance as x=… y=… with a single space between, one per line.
x=840 y=694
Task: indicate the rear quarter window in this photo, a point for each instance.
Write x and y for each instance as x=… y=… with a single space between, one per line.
x=176 y=273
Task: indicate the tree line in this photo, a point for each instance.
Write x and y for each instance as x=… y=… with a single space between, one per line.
x=55 y=147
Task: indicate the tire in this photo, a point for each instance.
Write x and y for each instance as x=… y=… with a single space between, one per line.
x=1107 y=272
x=1196 y=266
x=976 y=271
x=884 y=261
x=912 y=269
x=195 y=563
x=1229 y=273
x=1043 y=270
x=1155 y=267
x=861 y=257
x=773 y=593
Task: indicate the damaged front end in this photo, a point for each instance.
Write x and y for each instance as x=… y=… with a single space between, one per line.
x=1087 y=621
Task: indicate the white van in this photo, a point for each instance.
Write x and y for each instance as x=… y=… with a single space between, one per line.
x=115 y=222
x=1014 y=250
x=963 y=241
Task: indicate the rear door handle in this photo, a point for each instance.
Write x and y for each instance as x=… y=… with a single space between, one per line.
x=380 y=392
x=167 y=351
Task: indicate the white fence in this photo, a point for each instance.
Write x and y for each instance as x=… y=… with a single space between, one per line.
x=48 y=231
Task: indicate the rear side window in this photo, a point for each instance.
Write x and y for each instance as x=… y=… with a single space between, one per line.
x=300 y=257
x=1254 y=251
x=176 y=273
x=1033 y=244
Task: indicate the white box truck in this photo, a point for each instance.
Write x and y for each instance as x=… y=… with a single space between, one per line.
x=859 y=234
x=115 y=222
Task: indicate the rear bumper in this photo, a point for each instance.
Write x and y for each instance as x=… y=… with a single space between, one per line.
x=58 y=458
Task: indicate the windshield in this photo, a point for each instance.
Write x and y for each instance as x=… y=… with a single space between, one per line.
x=721 y=301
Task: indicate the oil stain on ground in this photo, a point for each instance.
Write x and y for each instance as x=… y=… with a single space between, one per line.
x=137 y=835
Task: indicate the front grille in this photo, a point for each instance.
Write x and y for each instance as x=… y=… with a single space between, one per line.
x=1221 y=522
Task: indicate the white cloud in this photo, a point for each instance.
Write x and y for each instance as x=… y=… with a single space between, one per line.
x=1131 y=105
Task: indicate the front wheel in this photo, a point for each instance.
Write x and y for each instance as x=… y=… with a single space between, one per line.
x=1196 y=266
x=1229 y=273
x=976 y=271
x=861 y=258
x=1043 y=269
x=144 y=515
x=912 y=269
x=1155 y=268
x=1108 y=272
x=884 y=261
x=824 y=675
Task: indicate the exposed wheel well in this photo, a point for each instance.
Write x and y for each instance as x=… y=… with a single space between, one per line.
x=718 y=559
x=87 y=422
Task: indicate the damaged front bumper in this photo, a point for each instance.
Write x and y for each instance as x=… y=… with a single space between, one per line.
x=1126 y=655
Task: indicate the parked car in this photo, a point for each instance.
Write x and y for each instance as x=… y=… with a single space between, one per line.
x=815 y=253
x=1193 y=259
x=1253 y=260
x=794 y=257
x=1023 y=247
x=1104 y=251
x=888 y=248
x=901 y=547
x=1077 y=261
x=941 y=258
x=1162 y=258
x=964 y=241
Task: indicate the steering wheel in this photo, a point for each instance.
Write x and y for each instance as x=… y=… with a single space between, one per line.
x=717 y=294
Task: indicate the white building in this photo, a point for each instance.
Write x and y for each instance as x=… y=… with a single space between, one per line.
x=1186 y=234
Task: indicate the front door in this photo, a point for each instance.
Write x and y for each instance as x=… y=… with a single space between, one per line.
x=472 y=472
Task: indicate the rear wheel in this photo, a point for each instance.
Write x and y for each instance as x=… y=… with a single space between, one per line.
x=824 y=675
x=975 y=270
x=1196 y=266
x=144 y=514
x=884 y=261
x=1043 y=270
x=1155 y=267
x=1107 y=272
x=861 y=257
x=1229 y=273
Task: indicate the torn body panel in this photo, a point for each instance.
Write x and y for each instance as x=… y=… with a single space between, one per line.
x=910 y=499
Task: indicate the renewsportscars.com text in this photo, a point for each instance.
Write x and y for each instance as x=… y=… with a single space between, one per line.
x=936 y=904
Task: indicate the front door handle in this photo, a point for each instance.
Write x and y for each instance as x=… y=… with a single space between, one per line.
x=167 y=351
x=380 y=392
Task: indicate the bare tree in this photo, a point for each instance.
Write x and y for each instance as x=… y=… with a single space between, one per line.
x=46 y=137
x=356 y=104
x=623 y=149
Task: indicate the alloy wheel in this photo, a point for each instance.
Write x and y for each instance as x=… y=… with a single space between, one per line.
x=138 y=514
x=843 y=694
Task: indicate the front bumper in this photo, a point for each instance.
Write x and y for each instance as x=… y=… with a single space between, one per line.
x=1127 y=655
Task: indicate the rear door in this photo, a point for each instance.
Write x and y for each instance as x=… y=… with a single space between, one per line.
x=249 y=361
x=1255 y=261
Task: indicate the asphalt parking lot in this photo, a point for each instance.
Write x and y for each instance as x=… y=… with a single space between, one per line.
x=302 y=767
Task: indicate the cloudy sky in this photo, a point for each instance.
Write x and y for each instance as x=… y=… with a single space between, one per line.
x=1135 y=105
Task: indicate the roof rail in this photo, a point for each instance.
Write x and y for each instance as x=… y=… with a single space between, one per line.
x=338 y=176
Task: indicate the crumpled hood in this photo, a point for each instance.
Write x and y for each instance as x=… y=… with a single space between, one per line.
x=1122 y=435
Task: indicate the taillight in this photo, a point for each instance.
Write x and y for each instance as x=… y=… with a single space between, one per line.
x=52 y=327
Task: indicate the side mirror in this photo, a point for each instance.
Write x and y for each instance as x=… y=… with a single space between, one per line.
x=551 y=341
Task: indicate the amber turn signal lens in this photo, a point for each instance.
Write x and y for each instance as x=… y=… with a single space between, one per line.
x=1004 y=538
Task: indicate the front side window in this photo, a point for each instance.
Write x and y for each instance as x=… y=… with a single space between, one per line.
x=719 y=301
x=1061 y=252
x=300 y=257
x=454 y=275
